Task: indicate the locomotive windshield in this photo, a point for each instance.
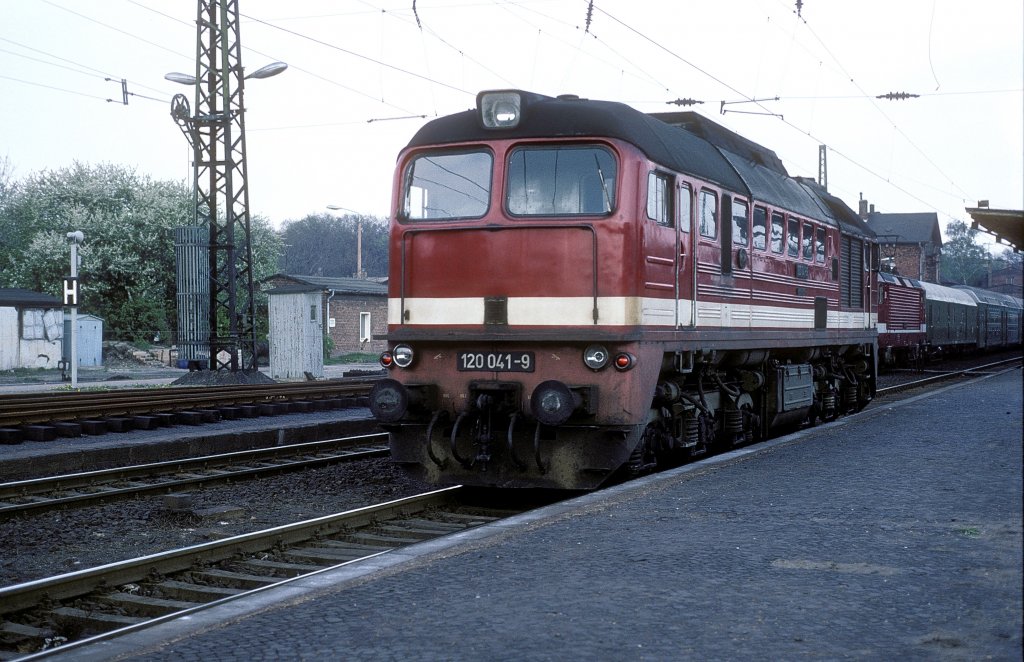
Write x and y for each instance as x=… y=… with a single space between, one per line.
x=560 y=181
x=447 y=186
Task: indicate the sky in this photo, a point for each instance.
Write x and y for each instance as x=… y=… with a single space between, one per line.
x=365 y=75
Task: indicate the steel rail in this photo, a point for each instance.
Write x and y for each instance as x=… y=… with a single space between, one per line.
x=30 y=496
x=103 y=596
x=81 y=582
x=67 y=406
x=951 y=374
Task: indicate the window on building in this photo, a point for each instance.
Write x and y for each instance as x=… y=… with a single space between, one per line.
x=312 y=313
x=760 y=228
x=659 y=201
x=777 y=230
x=365 y=330
x=708 y=214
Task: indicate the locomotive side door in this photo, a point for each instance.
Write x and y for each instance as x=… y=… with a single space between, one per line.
x=659 y=252
x=686 y=273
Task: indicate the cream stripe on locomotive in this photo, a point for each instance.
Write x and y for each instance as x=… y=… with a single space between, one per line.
x=618 y=311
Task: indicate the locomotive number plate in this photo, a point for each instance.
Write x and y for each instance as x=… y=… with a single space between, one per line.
x=496 y=361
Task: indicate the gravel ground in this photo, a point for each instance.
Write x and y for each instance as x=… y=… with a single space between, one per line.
x=65 y=541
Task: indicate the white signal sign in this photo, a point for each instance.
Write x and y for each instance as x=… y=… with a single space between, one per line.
x=71 y=291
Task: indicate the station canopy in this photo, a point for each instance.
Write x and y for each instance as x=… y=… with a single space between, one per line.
x=1006 y=224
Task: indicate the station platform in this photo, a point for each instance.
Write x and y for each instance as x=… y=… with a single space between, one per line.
x=892 y=534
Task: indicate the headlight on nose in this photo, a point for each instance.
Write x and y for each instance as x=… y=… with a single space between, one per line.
x=595 y=357
x=552 y=402
x=403 y=356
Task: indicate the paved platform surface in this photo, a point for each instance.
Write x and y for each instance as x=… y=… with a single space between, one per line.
x=893 y=534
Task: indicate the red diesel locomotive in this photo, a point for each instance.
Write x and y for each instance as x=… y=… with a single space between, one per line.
x=577 y=289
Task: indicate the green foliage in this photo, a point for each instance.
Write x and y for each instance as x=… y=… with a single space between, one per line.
x=326 y=245
x=328 y=345
x=127 y=272
x=963 y=260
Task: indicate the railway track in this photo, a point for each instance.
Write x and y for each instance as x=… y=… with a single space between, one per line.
x=36 y=495
x=45 y=416
x=944 y=375
x=112 y=599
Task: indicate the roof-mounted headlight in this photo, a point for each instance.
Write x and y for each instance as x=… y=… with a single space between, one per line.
x=500 y=110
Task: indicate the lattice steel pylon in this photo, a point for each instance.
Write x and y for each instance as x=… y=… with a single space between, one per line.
x=217 y=135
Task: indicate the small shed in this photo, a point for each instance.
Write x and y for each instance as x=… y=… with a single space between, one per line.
x=89 y=338
x=31 y=328
x=296 y=333
x=355 y=310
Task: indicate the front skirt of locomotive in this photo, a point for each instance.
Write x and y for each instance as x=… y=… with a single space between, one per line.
x=517 y=454
x=516 y=414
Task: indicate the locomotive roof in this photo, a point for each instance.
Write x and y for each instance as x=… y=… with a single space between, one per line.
x=683 y=141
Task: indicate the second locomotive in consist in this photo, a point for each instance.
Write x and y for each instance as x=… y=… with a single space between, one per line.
x=578 y=288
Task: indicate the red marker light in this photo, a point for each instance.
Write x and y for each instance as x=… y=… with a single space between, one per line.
x=386 y=359
x=624 y=361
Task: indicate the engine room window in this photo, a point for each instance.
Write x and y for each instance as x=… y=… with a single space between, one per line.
x=708 y=215
x=760 y=228
x=447 y=186
x=777 y=230
x=808 y=241
x=561 y=181
x=819 y=255
x=659 y=207
x=685 y=207
x=793 y=238
x=740 y=224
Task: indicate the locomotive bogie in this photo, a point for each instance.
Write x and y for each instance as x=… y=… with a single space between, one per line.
x=523 y=428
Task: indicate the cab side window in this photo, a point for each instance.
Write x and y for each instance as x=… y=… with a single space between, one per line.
x=820 y=247
x=777 y=232
x=808 y=242
x=659 y=199
x=740 y=224
x=793 y=238
x=685 y=207
x=708 y=214
x=760 y=228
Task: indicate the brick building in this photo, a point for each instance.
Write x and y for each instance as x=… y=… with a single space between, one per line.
x=355 y=309
x=910 y=244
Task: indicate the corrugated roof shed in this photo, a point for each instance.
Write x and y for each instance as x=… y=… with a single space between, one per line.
x=12 y=296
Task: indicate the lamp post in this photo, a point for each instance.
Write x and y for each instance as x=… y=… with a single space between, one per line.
x=216 y=133
x=359 y=238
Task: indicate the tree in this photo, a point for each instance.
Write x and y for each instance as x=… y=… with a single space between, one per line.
x=127 y=273
x=325 y=245
x=963 y=259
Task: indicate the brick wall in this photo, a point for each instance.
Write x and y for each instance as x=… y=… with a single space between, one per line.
x=908 y=261
x=346 y=311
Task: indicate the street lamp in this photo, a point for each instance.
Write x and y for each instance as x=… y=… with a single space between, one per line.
x=216 y=132
x=359 y=238
x=266 y=71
